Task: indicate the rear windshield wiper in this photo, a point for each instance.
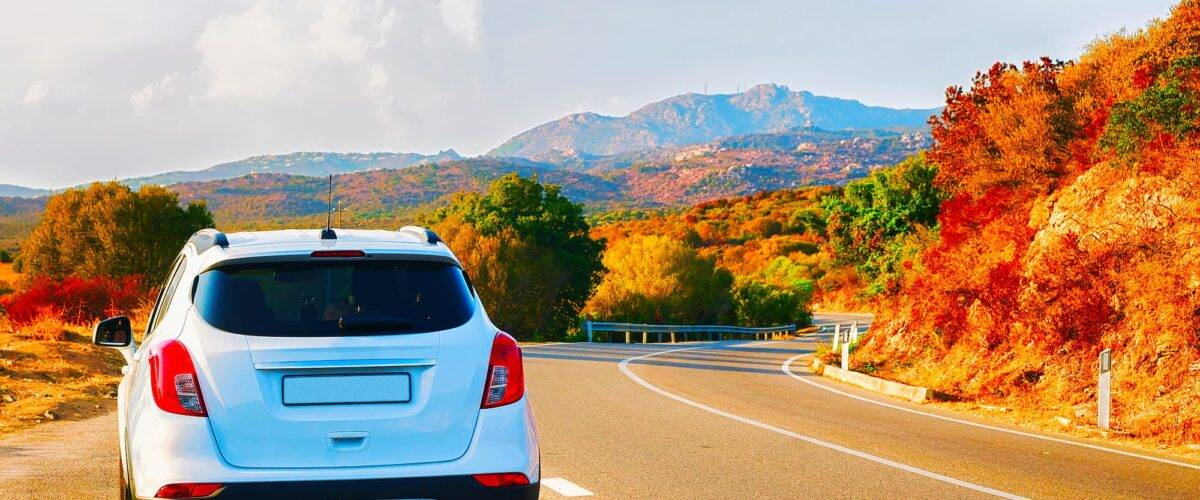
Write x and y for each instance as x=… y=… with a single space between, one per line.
x=373 y=323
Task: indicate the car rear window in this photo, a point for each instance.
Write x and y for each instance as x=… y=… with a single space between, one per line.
x=319 y=299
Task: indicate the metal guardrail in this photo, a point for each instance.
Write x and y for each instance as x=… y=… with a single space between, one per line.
x=665 y=333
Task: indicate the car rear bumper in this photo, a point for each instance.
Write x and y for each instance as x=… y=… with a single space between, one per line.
x=447 y=487
x=169 y=448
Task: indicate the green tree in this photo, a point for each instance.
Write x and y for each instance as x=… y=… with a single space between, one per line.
x=5 y=257
x=1171 y=106
x=868 y=224
x=107 y=229
x=655 y=279
x=758 y=304
x=535 y=246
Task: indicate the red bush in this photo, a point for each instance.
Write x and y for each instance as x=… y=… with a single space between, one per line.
x=74 y=300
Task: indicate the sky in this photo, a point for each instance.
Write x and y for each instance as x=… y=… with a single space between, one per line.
x=103 y=90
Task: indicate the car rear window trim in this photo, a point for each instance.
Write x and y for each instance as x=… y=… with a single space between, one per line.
x=305 y=257
x=384 y=258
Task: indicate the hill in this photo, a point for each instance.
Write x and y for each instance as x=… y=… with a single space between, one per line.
x=695 y=118
x=776 y=237
x=747 y=164
x=9 y=190
x=316 y=164
x=1069 y=228
x=660 y=178
x=261 y=198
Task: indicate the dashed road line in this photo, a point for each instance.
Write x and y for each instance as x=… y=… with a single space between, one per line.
x=624 y=367
x=566 y=488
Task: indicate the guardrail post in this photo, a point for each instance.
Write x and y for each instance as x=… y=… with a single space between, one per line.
x=644 y=335
x=627 y=337
x=1104 y=392
x=672 y=337
x=587 y=325
x=846 y=351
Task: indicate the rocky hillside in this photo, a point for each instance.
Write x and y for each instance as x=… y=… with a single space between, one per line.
x=1069 y=227
x=696 y=118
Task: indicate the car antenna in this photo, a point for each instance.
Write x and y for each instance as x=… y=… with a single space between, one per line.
x=327 y=233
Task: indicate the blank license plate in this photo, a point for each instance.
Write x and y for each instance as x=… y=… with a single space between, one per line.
x=346 y=389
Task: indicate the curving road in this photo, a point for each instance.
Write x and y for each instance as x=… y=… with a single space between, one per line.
x=725 y=420
x=715 y=420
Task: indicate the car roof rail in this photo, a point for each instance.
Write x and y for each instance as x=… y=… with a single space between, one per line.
x=205 y=239
x=422 y=234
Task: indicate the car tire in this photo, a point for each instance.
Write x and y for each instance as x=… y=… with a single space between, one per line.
x=123 y=486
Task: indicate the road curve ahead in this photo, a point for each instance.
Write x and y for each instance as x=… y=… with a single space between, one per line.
x=714 y=420
x=722 y=420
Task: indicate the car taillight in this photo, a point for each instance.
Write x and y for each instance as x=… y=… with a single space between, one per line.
x=189 y=490
x=505 y=377
x=502 y=479
x=173 y=380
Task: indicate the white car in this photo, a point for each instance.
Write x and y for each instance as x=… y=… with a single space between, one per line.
x=321 y=364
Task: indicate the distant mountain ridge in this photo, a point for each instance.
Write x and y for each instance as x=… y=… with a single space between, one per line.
x=728 y=166
x=14 y=191
x=305 y=163
x=695 y=118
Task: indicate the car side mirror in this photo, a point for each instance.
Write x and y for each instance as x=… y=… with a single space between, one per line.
x=113 y=332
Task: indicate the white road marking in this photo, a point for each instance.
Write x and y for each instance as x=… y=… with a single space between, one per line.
x=565 y=488
x=623 y=365
x=547 y=344
x=787 y=368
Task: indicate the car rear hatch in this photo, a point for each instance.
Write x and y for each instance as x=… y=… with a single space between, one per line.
x=352 y=384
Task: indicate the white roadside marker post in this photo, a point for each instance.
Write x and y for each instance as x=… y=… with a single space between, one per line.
x=846 y=351
x=1104 y=392
x=854 y=332
x=837 y=335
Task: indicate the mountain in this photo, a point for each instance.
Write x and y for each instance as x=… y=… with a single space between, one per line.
x=313 y=164
x=731 y=166
x=748 y=164
x=9 y=190
x=665 y=177
x=694 y=118
x=273 y=196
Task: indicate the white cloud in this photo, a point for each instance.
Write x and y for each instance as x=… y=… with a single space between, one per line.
x=378 y=80
x=462 y=17
x=252 y=54
x=333 y=35
x=154 y=92
x=36 y=93
x=272 y=47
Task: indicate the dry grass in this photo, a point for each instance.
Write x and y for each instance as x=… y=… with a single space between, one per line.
x=7 y=275
x=9 y=280
x=46 y=329
x=67 y=378
x=969 y=379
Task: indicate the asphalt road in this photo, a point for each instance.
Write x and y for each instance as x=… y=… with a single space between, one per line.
x=715 y=420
